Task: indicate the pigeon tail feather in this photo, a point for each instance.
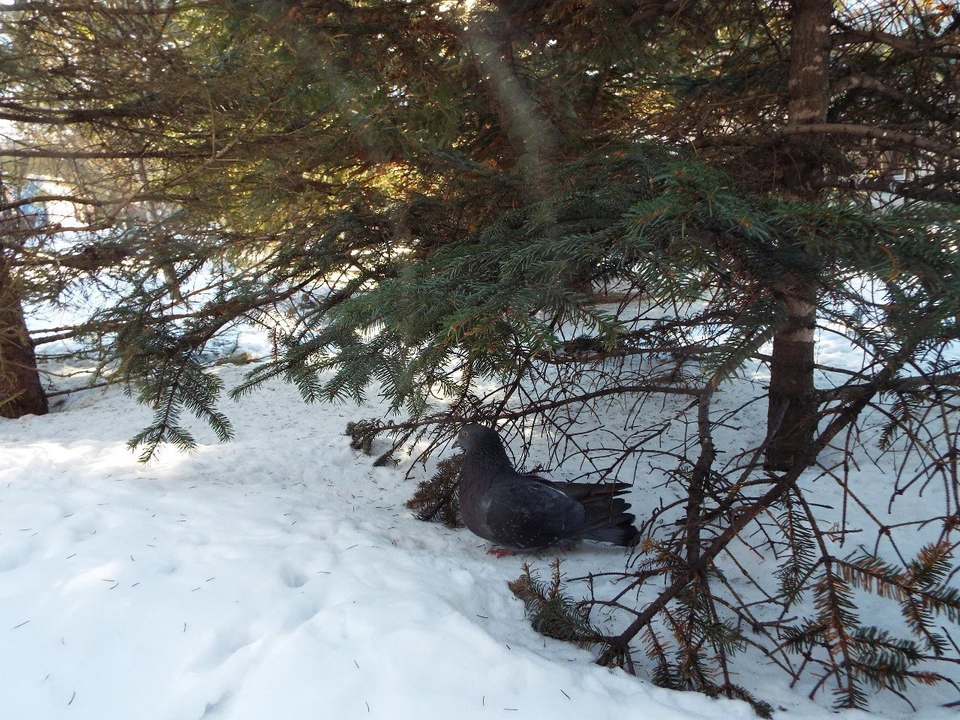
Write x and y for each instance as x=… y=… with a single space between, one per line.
x=618 y=530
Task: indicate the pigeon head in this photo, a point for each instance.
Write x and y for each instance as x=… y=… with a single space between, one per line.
x=475 y=437
x=482 y=445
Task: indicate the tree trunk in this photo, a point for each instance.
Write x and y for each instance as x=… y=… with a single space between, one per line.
x=792 y=398
x=20 y=390
x=792 y=404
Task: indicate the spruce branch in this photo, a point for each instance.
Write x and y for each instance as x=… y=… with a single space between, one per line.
x=552 y=612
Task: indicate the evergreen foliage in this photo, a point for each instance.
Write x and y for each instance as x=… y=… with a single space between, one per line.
x=552 y=613
x=861 y=653
x=436 y=498
x=183 y=383
x=362 y=434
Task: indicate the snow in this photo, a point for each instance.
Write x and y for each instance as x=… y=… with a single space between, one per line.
x=278 y=576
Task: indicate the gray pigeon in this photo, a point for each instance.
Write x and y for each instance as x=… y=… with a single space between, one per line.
x=526 y=512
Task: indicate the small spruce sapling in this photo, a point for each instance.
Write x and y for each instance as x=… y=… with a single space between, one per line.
x=436 y=498
x=553 y=613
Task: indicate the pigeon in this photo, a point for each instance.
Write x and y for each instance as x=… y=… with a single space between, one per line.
x=526 y=512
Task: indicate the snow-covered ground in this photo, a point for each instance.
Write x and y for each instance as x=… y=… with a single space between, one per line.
x=278 y=576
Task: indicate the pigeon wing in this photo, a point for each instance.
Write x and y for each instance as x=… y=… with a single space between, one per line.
x=523 y=514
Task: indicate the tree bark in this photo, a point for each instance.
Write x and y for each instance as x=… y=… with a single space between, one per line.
x=21 y=392
x=792 y=393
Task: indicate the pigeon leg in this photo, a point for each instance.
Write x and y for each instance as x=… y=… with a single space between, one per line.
x=500 y=552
